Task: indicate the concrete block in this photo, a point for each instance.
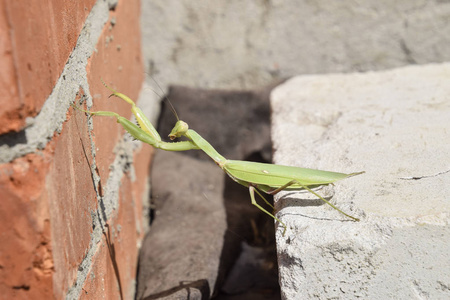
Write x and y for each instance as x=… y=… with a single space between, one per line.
x=246 y=44
x=394 y=125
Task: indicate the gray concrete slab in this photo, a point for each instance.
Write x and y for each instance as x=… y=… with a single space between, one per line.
x=395 y=126
x=247 y=44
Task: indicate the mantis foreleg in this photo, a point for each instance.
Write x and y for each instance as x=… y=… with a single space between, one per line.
x=145 y=132
x=141 y=119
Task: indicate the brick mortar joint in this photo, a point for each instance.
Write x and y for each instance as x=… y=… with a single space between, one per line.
x=41 y=129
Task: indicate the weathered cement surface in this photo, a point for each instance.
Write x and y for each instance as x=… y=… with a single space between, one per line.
x=246 y=44
x=394 y=126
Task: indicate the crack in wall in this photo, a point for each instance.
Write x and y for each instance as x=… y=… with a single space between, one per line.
x=425 y=176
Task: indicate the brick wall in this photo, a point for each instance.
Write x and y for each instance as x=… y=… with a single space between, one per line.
x=72 y=188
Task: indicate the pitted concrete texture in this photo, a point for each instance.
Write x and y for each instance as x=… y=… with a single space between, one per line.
x=394 y=125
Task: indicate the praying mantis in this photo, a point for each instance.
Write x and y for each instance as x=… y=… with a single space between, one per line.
x=257 y=177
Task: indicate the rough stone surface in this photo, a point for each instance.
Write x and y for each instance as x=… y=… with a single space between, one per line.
x=393 y=125
x=181 y=251
x=246 y=44
x=237 y=44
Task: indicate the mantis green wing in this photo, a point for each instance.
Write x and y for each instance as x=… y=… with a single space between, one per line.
x=271 y=179
x=277 y=175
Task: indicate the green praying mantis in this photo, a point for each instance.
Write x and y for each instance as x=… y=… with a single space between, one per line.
x=257 y=177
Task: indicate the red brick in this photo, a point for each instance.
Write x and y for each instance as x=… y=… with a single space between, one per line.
x=26 y=265
x=118 y=62
x=48 y=198
x=72 y=200
x=140 y=186
x=38 y=39
x=116 y=257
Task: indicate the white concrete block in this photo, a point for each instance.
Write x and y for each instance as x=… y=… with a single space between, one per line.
x=395 y=125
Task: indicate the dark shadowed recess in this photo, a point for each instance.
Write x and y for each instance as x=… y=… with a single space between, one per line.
x=241 y=261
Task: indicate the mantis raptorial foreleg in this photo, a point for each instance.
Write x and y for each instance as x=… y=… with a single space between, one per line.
x=268 y=178
x=145 y=132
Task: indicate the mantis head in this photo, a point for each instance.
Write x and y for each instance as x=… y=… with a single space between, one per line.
x=178 y=130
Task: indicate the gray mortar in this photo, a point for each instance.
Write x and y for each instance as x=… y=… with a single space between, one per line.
x=41 y=129
x=73 y=77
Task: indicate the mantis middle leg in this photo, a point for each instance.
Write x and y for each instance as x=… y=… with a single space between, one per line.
x=294 y=181
x=252 y=196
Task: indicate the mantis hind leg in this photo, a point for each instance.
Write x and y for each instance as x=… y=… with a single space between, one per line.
x=252 y=196
x=294 y=181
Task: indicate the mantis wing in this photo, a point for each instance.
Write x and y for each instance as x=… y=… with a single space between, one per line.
x=277 y=175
